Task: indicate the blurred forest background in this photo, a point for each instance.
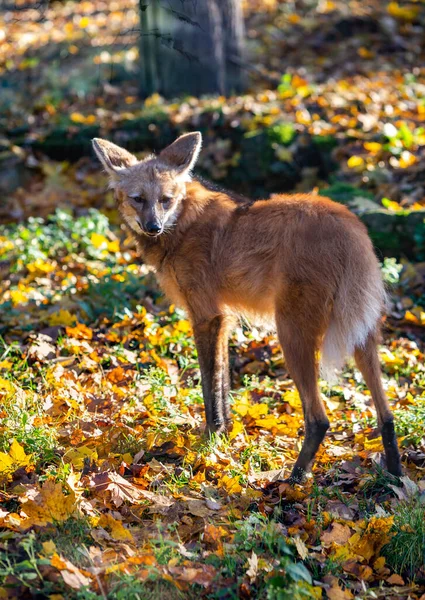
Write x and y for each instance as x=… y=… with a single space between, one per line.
x=107 y=487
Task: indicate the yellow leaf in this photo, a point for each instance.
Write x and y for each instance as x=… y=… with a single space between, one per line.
x=404 y=13
x=231 y=484
x=99 y=240
x=379 y=563
x=40 y=267
x=115 y=528
x=390 y=359
x=114 y=246
x=373 y=147
x=18 y=297
x=77 y=456
x=72 y=575
x=183 y=326
x=374 y=445
x=257 y=410
x=50 y=505
x=58 y=562
x=236 y=430
x=49 y=548
x=355 y=162
x=293 y=399
x=6 y=385
x=84 y=21
x=294 y=18
x=127 y=458
x=411 y=317
x=15 y=459
x=17 y=454
x=77 y=117
x=407 y=159
x=242 y=405
x=268 y=423
x=364 y=52
x=62 y=317
x=6 y=466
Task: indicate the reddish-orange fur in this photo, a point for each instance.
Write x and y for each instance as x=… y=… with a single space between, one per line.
x=302 y=260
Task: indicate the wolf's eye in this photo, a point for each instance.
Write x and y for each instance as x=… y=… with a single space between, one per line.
x=165 y=200
x=138 y=199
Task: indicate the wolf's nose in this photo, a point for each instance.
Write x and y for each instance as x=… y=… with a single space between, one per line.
x=152 y=227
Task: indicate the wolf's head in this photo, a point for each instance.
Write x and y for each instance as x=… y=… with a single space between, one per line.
x=150 y=192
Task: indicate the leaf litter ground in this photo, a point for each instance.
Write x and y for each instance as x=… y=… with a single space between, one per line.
x=108 y=482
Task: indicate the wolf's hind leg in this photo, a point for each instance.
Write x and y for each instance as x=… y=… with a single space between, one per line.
x=368 y=363
x=300 y=327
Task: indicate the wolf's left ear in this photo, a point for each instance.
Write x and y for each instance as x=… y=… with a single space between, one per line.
x=112 y=157
x=182 y=154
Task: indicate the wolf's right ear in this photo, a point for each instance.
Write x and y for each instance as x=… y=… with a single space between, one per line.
x=112 y=157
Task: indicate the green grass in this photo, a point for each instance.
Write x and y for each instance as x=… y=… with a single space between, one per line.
x=405 y=553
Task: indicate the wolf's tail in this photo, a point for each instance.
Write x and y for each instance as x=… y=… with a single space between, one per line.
x=358 y=306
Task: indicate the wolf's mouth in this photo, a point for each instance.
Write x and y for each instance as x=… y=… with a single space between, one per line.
x=151 y=235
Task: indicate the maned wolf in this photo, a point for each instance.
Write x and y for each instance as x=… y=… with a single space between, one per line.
x=302 y=259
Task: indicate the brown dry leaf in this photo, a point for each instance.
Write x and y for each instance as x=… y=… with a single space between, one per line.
x=160 y=504
x=213 y=534
x=120 y=489
x=362 y=572
x=194 y=573
x=395 y=580
x=198 y=508
x=337 y=593
x=336 y=534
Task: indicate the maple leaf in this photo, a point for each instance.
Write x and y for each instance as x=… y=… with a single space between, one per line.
x=47 y=505
x=13 y=460
x=119 y=489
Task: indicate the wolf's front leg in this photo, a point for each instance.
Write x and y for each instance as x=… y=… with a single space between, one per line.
x=211 y=343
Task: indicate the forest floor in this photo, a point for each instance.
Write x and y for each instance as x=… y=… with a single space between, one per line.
x=109 y=489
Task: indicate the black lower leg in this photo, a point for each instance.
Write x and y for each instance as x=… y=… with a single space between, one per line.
x=392 y=453
x=315 y=433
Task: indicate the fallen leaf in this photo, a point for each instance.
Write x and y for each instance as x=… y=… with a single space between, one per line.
x=336 y=534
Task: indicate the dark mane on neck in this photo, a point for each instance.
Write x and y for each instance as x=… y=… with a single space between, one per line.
x=240 y=200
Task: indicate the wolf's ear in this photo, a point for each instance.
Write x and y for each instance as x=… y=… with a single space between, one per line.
x=182 y=154
x=112 y=157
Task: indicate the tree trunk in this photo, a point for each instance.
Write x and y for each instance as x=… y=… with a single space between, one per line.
x=191 y=47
